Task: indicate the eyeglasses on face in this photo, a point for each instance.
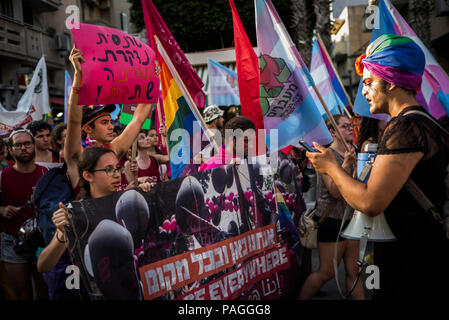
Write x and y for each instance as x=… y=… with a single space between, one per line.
x=19 y=145
x=347 y=126
x=110 y=171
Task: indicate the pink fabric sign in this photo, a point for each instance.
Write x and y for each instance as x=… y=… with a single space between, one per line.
x=118 y=68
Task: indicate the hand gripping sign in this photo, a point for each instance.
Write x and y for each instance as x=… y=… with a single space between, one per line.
x=118 y=68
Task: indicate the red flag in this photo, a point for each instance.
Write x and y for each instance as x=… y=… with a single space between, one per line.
x=247 y=73
x=155 y=25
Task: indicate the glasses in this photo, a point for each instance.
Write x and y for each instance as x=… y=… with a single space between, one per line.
x=110 y=171
x=347 y=126
x=19 y=145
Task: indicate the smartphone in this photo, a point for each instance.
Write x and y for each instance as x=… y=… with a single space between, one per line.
x=307 y=146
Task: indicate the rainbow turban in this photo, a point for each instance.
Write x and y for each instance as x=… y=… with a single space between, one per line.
x=395 y=59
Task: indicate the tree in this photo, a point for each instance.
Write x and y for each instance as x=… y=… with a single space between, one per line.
x=303 y=23
x=199 y=25
x=323 y=21
x=420 y=19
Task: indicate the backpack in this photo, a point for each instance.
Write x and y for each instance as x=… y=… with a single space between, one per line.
x=53 y=187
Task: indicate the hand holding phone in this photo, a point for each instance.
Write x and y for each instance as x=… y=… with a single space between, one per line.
x=307 y=146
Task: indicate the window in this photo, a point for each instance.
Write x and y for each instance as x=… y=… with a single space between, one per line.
x=7 y=8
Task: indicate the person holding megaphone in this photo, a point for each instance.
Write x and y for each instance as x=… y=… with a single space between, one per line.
x=410 y=147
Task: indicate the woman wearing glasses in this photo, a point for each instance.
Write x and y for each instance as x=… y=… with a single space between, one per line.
x=99 y=175
x=330 y=208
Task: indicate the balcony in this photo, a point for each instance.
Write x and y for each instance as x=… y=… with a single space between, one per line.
x=24 y=42
x=42 y=5
x=12 y=37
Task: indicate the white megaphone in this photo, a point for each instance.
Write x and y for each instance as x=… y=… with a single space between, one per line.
x=376 y=228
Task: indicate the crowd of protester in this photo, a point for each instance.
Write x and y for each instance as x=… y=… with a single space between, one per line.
x=97 y=155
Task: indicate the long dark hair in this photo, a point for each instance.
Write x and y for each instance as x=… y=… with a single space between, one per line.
x=369 y=128
x=87 y=162
x=155 y=147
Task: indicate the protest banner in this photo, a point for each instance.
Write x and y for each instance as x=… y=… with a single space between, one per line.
x=237 y=281
x=118 y=68
x=203 y=231
x=33 y=104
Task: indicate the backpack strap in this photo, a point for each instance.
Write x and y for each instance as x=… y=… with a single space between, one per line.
x=445 y=133
x=411 y=186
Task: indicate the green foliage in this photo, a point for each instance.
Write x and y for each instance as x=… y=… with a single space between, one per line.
x=199 y=25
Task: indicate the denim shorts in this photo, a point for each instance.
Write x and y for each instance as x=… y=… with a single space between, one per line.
x=10 y=255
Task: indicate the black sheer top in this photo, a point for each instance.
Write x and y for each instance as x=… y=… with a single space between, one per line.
x=416 y=133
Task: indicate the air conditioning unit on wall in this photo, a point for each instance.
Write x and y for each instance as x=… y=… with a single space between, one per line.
x=62 y=45
x=62 y=42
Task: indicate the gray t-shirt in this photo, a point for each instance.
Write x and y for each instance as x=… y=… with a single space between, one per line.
x=324 y=199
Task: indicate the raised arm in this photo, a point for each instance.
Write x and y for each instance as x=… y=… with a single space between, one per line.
x=123 y=142
x=72 y=146
x=388 y=176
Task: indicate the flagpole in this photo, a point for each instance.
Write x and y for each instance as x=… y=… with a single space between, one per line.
x=183 y=88
x=133 y=158
x=336 y=73
x=331 y=118
x=159 y=115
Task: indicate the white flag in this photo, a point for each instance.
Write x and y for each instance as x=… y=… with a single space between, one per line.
x=34 y=102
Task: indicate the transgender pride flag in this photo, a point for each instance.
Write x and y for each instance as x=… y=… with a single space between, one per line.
x=285 y=100
x=223 y=84
x=434 y=94
x=67 y=89
x=322 y=78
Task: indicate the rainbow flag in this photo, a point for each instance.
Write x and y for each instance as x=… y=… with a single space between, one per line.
x=155 y=25
x=286 y=102
x=178 y=110
x=434 y=93
x=321 y=75
x=286 y=221
x=179 y=114
x=223 y=84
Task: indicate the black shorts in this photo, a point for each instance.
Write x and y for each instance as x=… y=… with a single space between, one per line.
x=328 y=230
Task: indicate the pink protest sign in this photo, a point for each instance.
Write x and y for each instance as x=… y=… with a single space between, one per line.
x=118 y=68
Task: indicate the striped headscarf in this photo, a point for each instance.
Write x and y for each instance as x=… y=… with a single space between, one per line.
x=395 y=59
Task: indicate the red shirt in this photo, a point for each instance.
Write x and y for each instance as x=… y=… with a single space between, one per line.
x=17 y=189
x=152 y=172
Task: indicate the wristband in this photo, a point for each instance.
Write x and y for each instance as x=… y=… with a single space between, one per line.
x=76 y=90
x=58 y=238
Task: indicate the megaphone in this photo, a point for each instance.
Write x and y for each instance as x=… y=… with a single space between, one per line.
x=376 y=228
